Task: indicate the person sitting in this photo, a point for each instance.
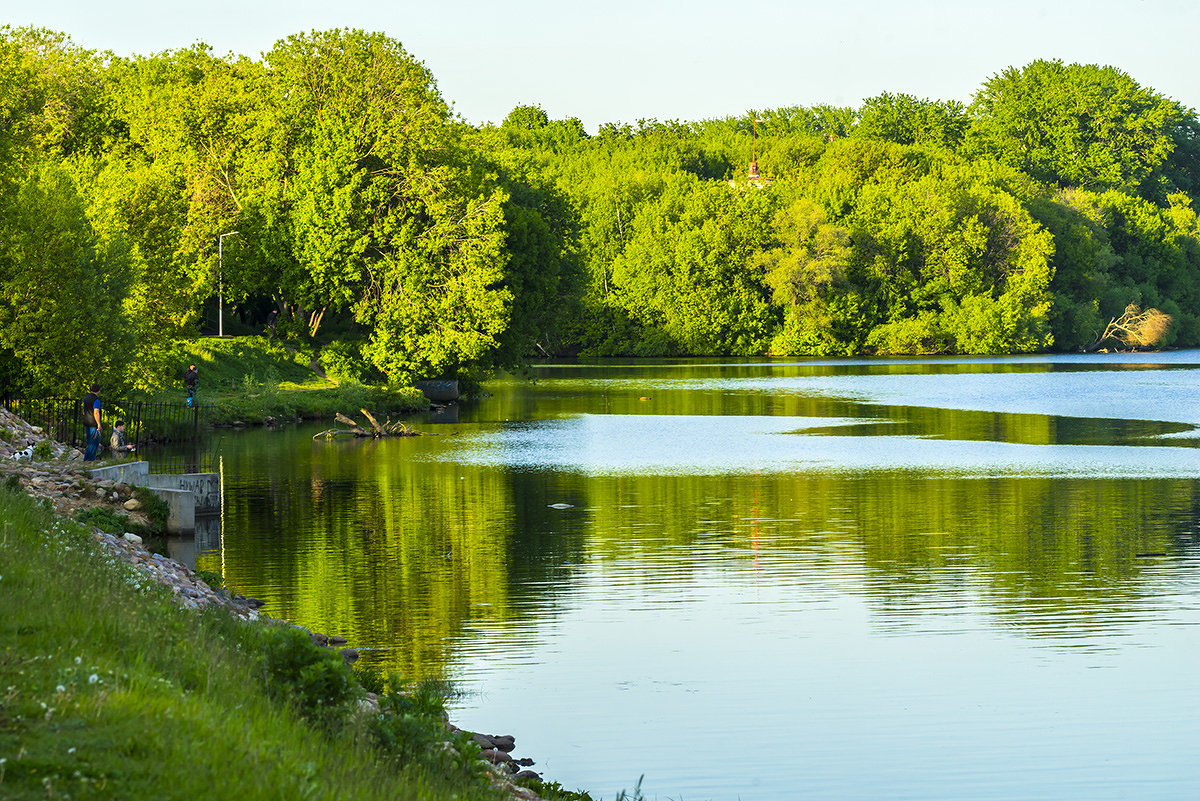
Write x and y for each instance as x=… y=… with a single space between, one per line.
x=117 y=443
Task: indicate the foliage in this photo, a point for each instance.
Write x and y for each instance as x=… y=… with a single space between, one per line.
x=1081 y=125
x=343 y=361
x=142 y=197
x=315 y=679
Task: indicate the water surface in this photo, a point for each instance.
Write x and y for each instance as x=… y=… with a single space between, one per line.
x=925 y=579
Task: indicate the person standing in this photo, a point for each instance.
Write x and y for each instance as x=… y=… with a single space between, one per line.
x=91 y=423
x=271 y=324
x=190 y=377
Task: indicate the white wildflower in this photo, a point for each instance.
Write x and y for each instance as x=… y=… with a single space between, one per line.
x=92 y=679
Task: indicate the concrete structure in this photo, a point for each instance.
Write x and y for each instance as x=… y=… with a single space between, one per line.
x=187 y=494
x=181 y=519
x=134 y=473
x=205 y=487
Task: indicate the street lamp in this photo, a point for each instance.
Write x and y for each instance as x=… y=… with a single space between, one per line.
x=221 y=282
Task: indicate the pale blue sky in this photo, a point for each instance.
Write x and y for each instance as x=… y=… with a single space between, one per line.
x=622 y=60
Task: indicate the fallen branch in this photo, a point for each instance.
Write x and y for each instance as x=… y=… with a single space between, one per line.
x=377 y=430
x=1135 y=328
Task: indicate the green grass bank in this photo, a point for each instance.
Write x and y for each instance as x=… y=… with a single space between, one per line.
x=110 y=689
x=247 y=379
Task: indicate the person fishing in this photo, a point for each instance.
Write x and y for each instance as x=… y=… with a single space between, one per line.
x=117 y=442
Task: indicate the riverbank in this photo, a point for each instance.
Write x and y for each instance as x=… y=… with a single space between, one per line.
x=250 y=381
x=127 y=675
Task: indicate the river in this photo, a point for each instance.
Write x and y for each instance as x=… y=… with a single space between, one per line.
x=842 y=579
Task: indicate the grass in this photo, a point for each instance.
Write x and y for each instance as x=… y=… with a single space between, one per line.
x=108 y=689
x=249 y=380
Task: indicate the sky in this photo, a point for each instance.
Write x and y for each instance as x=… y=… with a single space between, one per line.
x=625 y=60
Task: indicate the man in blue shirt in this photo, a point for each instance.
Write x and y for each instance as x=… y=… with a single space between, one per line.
x=91 y=423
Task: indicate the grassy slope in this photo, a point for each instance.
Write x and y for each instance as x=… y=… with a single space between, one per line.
x=108 y=689
x=248 y=379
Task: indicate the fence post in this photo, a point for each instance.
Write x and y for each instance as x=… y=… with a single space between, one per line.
x=137 y=438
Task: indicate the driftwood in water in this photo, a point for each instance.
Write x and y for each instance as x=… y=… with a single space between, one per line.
x=387 y=429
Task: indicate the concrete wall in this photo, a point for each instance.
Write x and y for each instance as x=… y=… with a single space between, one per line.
x=186 y=494
x=182 y=505
x=124 y=473
x=206 y=487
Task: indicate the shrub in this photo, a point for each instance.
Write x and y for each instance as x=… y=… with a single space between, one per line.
x=106 y=519
x=316 y=680
x=43 y=450
x=211 y=578
x=154 y=508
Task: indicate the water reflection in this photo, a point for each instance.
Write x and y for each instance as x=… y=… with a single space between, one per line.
x=877 y=580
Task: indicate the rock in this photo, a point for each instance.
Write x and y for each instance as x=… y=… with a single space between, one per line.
x=483 y=741
x=319 y=638
x=254 y=603
x=561 y=506
x=350 y=655
x=132 y=505
x=133 y=538
x=527 y=774
x=503 y=742
x=495 y=756
x=336 y=640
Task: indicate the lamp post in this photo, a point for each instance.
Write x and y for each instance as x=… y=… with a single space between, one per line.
x=221 y=282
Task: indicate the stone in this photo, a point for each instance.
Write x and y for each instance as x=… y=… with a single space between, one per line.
x=495 y=756
x=503 y=742
x=350 y=655
x=133 y=539
x=336 y=640
x=319 y=638
x=527 y=774
x=133 y=504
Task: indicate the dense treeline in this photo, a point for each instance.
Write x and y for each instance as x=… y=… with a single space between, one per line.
x=410 y=244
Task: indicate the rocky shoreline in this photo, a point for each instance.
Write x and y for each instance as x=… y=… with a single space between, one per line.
x=56 y=475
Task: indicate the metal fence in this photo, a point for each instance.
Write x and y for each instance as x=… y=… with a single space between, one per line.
x=146 y=423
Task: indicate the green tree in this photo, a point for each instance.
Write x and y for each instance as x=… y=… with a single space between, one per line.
x=686 y=274
x=62 y=290
x=389 y=214
x=807 y=270
x=1078 y=125
x=906 y=120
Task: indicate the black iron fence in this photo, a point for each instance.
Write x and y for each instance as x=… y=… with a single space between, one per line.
x=146 y=423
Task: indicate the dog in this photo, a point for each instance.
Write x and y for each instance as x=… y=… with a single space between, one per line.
x=25 y=454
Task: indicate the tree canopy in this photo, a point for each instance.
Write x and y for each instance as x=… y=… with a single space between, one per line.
x=346 y=195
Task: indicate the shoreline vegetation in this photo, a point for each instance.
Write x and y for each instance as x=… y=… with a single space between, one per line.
x=324 y=192
x=248 y=380
x=125 y=674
